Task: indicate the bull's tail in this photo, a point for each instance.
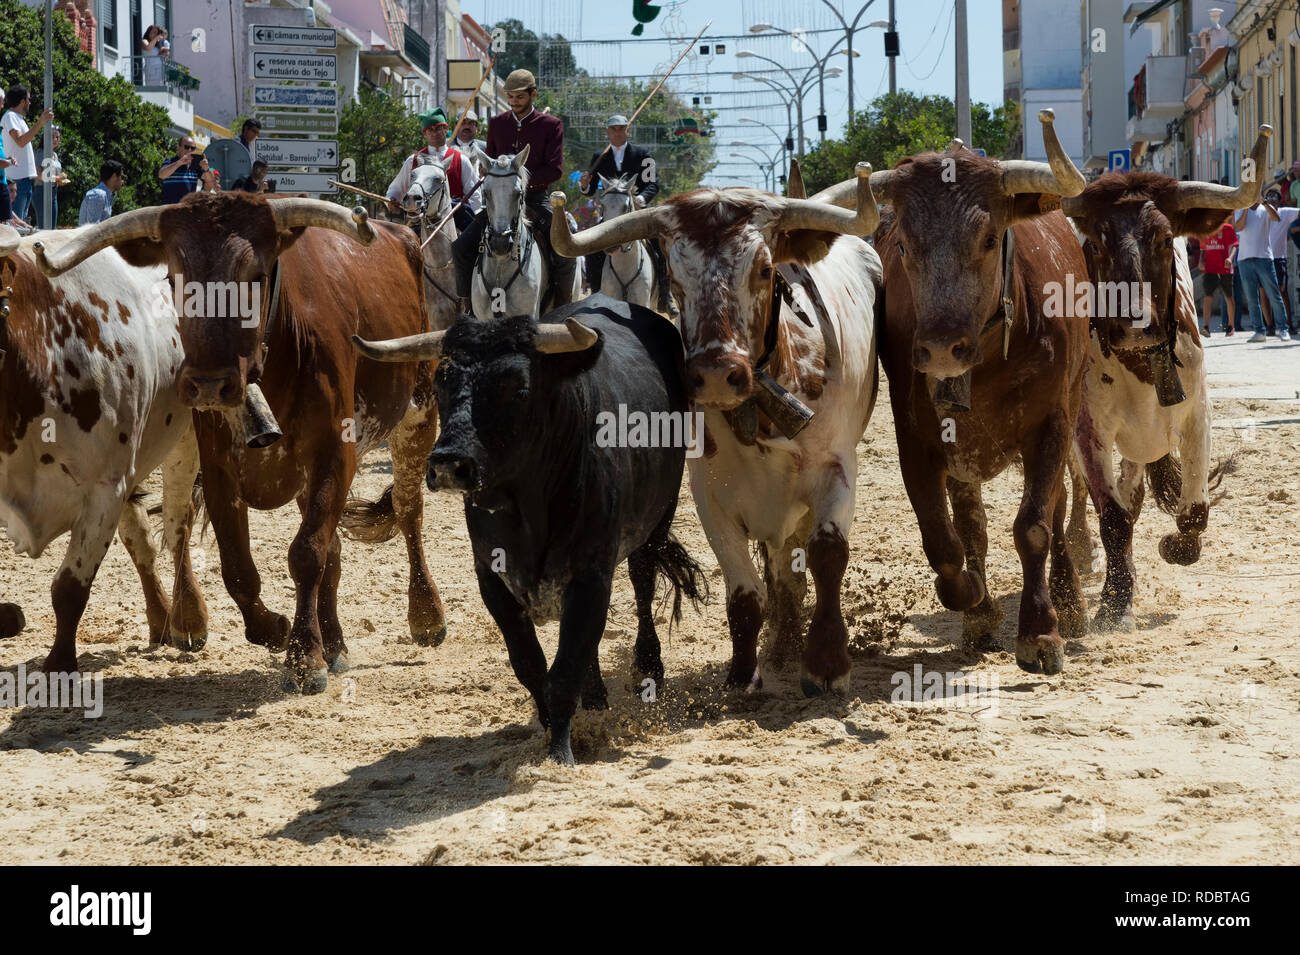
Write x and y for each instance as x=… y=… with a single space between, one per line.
x=683 y=574
x=371 y=522
x=1166 y=479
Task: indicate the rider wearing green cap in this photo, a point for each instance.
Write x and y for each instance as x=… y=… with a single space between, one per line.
x=460 y=172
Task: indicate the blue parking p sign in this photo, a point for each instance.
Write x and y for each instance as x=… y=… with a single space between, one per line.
x=1121 y=160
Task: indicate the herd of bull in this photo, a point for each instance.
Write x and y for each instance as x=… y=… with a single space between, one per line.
x=105 y=375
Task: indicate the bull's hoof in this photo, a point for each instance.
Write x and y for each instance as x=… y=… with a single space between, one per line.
x=12 y=621
x=1109 y=619
x=275 y=638
x=58 y=662
x=979 y=628
x=743 y=678
x=1041 y=654
x=961 y=591
x=1072 y=623
x=340 y=663
x=429 y=637
x=1181 y=549
x=561 y=753
x=813 y=685
x=190 y=642
x=311 y=683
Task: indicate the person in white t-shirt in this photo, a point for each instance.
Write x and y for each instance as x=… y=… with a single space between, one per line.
x=1255 y=262
x=18 y=144
x=1277 y=233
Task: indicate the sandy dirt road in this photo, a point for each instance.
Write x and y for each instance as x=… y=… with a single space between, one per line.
x=1179 y=743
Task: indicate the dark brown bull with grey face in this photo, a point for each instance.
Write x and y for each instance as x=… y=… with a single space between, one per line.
x=339 y=276
x=962 y=411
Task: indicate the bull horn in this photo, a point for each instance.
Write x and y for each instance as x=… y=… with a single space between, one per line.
x=423 y=347
x=1058 y=176
x=9 y=241
x=296 y=213
x=956 y=146
x=572 y=336
x=807 y=214
x=82 y=244
x=794 y=187
x=1209 y=195
x=641 y=224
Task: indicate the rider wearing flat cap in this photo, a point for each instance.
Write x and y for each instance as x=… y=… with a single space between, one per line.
x=460 y=172
x=621 y=159
x=508 y=133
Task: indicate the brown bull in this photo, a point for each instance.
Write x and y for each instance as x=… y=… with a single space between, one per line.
x=963 y=411
x=347 y=277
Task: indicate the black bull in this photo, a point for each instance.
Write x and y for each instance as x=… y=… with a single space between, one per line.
x=551 y=505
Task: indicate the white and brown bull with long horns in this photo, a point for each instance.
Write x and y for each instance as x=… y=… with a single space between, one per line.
x=785 y=288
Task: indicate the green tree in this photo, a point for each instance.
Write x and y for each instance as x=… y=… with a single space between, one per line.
x=904 y=124
x=681 y=161
x=376 y=133
x=101 y=118
x=544 y=55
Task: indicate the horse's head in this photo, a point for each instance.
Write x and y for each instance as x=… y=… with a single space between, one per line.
x=505 y=183
x=619 y=198
x=429 y=196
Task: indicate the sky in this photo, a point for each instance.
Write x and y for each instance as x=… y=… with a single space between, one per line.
x=925 y=65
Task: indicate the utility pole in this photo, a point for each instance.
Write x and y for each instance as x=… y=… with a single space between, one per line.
x=891 y=50
x=47 y=197
x=963 y=77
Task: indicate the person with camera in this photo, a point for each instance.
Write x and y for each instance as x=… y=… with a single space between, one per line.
x=18 y=144
x=181 y=173
x=153 y=47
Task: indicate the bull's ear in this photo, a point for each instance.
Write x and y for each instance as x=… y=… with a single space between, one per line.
x=287 y=238
x=802 y=246
x=1199 y=221
x=142 y=253
x=1028 y=205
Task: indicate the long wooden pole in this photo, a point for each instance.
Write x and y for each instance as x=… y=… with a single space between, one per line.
x=438 y=228
x=456 y=130
x=632 y=119
x=370 y=195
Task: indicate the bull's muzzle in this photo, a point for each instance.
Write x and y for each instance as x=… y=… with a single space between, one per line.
x=719 y=382
x=453 y=471
x=206 y=390
x=945 y=355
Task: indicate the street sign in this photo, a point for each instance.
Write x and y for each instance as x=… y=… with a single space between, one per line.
x=319 y=39
x=301 y=181
x=318 y=153
x=294 y=66
x=323 y=97
x=230 y=158
x=1121 y=160
x=304 y=123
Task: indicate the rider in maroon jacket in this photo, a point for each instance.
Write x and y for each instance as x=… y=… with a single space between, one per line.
x=508 y=133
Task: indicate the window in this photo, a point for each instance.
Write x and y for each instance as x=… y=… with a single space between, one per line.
x=108 y=19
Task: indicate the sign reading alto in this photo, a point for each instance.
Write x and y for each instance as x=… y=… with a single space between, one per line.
x=313 y=37
x=301 y=181
x=315 y=153
x=294 y=66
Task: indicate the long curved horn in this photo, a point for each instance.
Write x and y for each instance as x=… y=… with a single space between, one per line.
x=422 y=347
x=82 y=244
x=642 y=224
x=298 y=213
x=809 y=214
x=1058 y=176
x=1209 y=195
x=794 y=188
x=844 y=194
x=573 y=336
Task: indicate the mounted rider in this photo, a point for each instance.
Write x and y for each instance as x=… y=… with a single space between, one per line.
x=461 y=177
x=620 y=159
x=508 y=133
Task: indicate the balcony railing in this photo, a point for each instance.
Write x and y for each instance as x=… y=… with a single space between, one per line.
x=163 y=73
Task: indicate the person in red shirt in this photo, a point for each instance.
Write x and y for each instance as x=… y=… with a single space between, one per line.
x=1216 y=250
x=508 y=133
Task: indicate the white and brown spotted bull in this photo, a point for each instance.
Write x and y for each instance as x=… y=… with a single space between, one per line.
x=979 y=373
x=1145 y=389
x=338 y=276
x=784 y=288
x=88 y=408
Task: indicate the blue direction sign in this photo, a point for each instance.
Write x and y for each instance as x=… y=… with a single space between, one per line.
x=1121 y=160
x=320 y=97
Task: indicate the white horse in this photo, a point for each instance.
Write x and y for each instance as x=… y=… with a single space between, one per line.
x=511 y=274
x=629 y=272
x=426 y=203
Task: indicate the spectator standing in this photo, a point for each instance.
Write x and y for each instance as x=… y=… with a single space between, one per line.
x=18 y=143
x=1287 y=183
x=98 y=203
x=1216 y=253
x=151 y=48
x=1255 y=260
x=1277 y=233
x=180 y=174
x=6 y=206
x=255 y=181
x=248 y=134
x=53 y=170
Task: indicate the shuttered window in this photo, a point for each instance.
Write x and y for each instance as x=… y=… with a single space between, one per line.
x=108 y=19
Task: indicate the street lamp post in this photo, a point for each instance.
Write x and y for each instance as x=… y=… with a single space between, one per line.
x=789 y=105
x=822 y=72
x=765 y=170
x=785 y=153
x=849 y=30
x=798 y=86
